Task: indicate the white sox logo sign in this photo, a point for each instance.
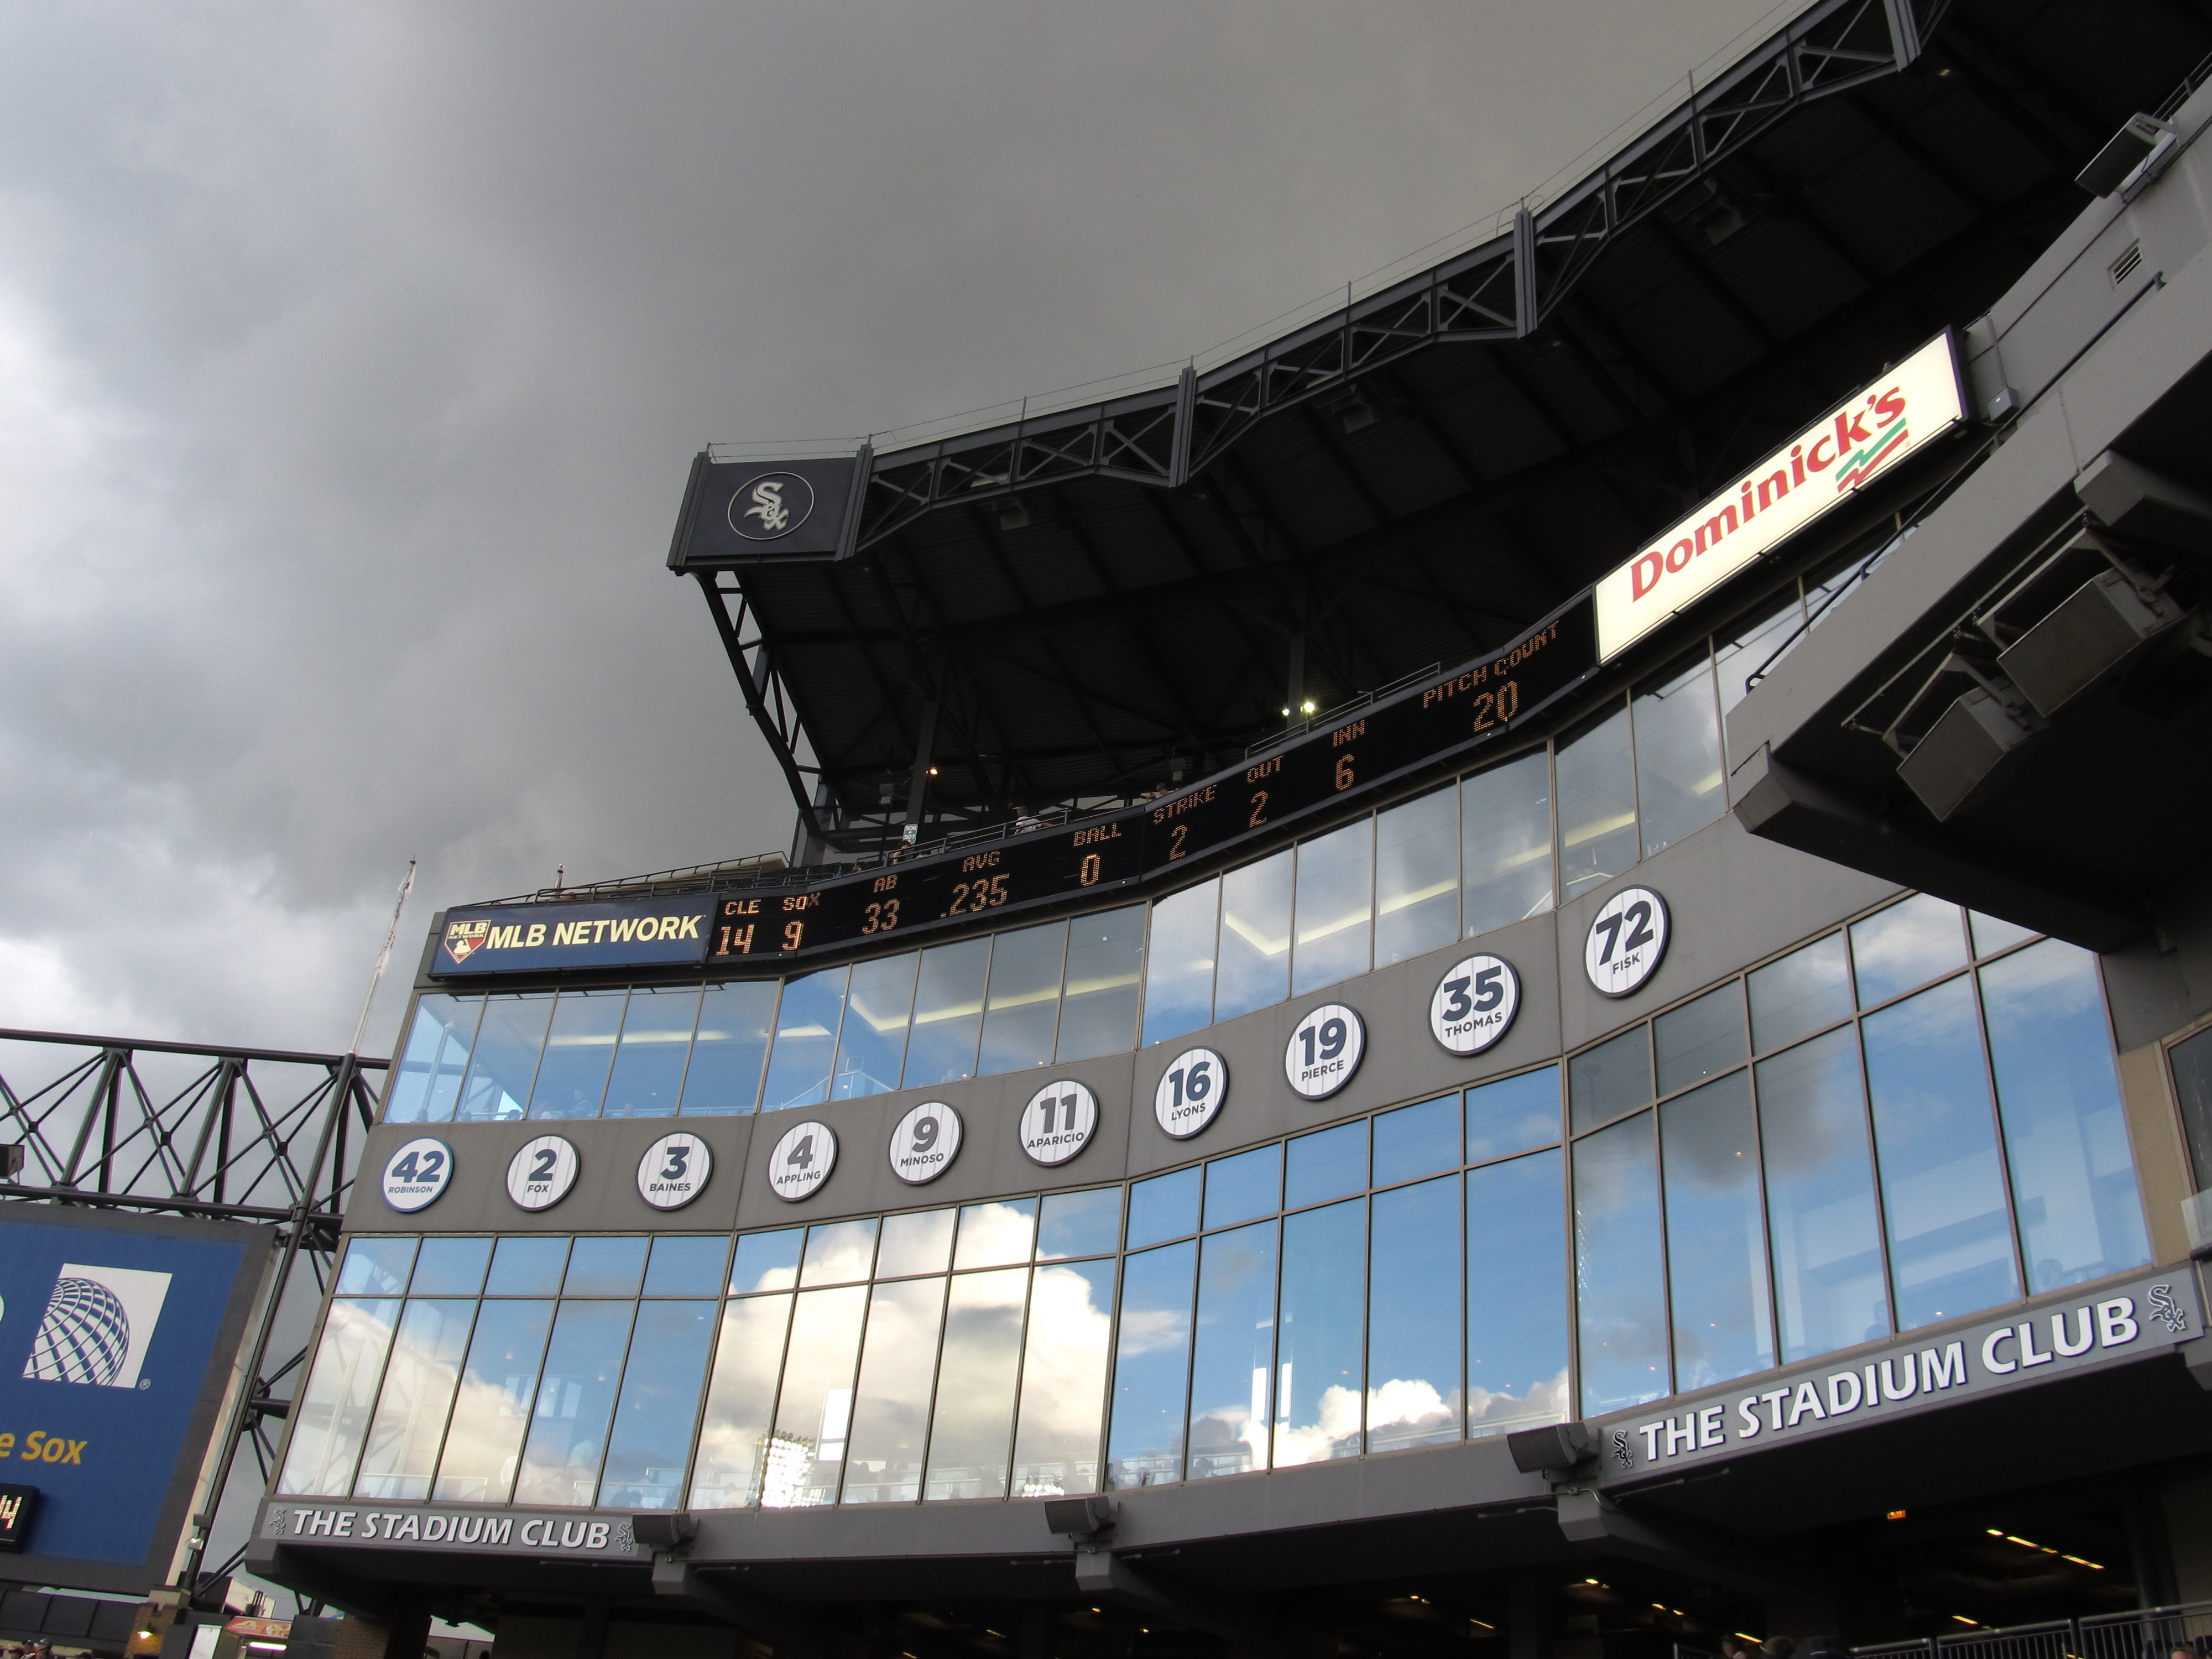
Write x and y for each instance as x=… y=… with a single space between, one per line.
x=770 y=507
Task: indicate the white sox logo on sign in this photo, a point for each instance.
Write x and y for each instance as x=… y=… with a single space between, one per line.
x=1324 y=1051
x=802 y=1161
x=1058 y=1122
x=1627 y=941
x=541 y=1174
x=1475 y=1004
x=771 y=506
x=674 y=1172
x=1192 y=1092
x=925 y=1142
x=416 y=1176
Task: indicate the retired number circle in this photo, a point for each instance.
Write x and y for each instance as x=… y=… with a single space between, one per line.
x=674 y=1172
x=1627 y=941
x=1475 y=1004
x=416 y=1176
x=541 y=1174
x=925 y=1142
x=1192 y=1092
x=802 y=1161
x=1058 y=1122
x=1324 y=1051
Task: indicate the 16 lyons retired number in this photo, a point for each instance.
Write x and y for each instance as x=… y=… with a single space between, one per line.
x=802 y=1161
x=1192 y=1092
x=1627 y=941
x=1324 y=1051
x=674 y=1172
x=1058 y=1122
x=541 y=1174
x=925 y=1142
x=416 y=1175
x=1475 y=1004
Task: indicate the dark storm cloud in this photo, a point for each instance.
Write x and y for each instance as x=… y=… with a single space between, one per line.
x=350 y=358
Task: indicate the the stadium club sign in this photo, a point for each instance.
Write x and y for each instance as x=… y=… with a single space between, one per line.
x=1870 y=432
x=577 y=1534
x=511 y=938
x=2134 y=1320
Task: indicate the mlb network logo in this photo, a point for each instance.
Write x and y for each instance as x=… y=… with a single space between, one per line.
x=97 y=1325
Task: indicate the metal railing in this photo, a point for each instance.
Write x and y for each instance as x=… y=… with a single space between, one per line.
x=2142 y=1633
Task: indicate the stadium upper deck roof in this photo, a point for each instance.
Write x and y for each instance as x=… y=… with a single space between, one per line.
x=1080 y=605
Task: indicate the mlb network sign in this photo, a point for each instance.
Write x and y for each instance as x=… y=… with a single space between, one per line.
x=511 y=938
x=116 y=1333
x=1873 y=430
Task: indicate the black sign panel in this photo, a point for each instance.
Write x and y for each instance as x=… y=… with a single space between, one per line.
x=1488 y=702
x=19 y=1507
x=749 y=512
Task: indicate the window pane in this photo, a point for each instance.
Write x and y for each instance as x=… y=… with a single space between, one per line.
x=1678 y=757
x=1105 y=962
x=872 y=1046
x=450 y=1266
x=724 y=1073
x=1249 y=1185
x=569 y=1430
x=1516 y=1295
x=839 y=1252
x=605 y=1267
x=1412 y=1304
x=1233 y=1356
x=572 y=1078
x=1819 y=1198
x=890 y=1411
x=1151 y=1361
x=2073 y=1174
x=766 y=1261
x=1994 y=934
x=997 y=1234
x=1179 y=968
x=2192 y=1087
x=686 y=1266
x=417 y=1393
x=1166 y=1206
x=331 y=1414
x=492 y=1408
x=1700 y=1039
x=1079 y=1224
x=527 y=1267
x=652 y=1434
x=805 y=1041
x=1905 y=945
x=1335 y=906
x=656 y=1041
x=376 y=1266
x=733 y=1433
x=1619 y=1289
x=1597 y=806
x=1799 y=994
x=1416 y=877
x=1064 y=1379
x=1716 y=1236
x=806 y=1451
x=1747 y=654
x=1318 y=1368
x=1506 y=843
x=1325 y=1166
x=1611 y=1079
x=948 y=1014
x=920 y=1243
x=1024 y=1004
x=1256 y=938
x=1935 y=1143
x=505 y=1057
x=1512 y=1115
x=974 y=1421
x=428 y=1078
x=1417 y=1140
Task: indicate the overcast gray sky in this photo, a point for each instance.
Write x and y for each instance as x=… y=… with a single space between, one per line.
x=351 y=358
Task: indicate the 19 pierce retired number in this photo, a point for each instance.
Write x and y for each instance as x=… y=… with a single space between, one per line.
x=1324 y=1051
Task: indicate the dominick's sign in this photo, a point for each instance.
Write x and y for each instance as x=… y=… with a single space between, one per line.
x=1869 y=434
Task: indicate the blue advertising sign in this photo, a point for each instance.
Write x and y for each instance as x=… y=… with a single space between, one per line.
x=518 y=937
x=117 y=1336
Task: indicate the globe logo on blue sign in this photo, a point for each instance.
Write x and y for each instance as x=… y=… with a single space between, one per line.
x=84 y=1338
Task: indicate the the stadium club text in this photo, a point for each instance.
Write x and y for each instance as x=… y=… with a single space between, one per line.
x=2132 y=1321
x=505 y=1531
x=511 y=938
